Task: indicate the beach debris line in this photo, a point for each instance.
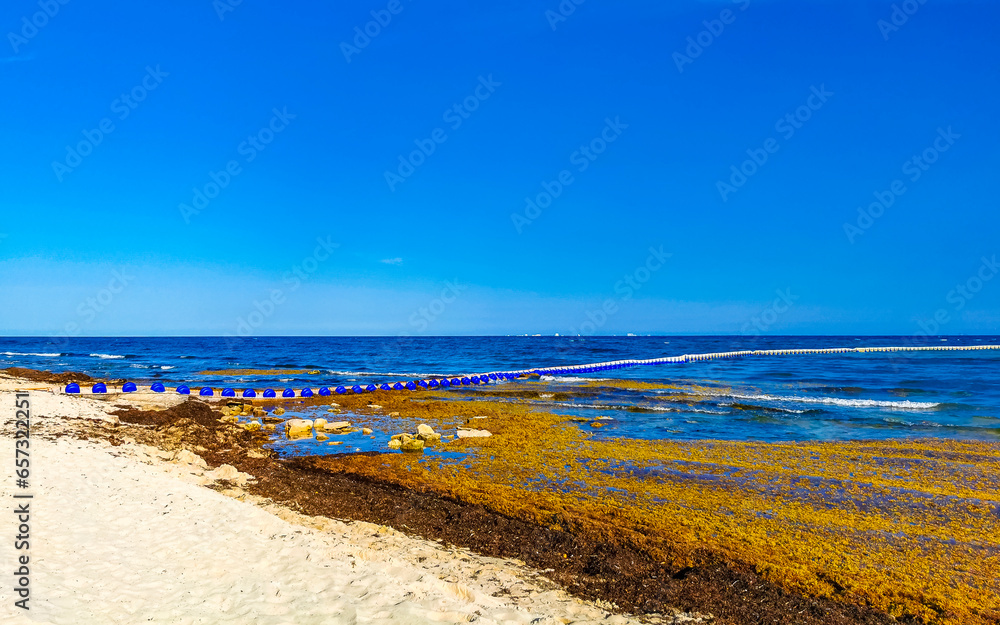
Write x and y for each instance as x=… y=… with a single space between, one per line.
x=501 y=376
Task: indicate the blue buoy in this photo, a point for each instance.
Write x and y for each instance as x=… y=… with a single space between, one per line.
x=422 y=383
x=158 y=388
x=445 y=383
x=371 y=388
x=475 y=380
x=341 y=390
x=228 y=392
x=456 y=382
x=398 y=386
x=269 y=393
x=308 y=392
x=385 y=387
x=129 y=387
x=206 y=391
x=411 y=386
x=249 y=393
x=288 y=392
x=73 y=388
x=100 y=387
x=433 y=384
x=493 y=376
x=183 y=390
x=324 y=392
x=357 y=389
x=465 y=381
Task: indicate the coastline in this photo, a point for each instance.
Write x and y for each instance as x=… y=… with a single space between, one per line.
x=129 y=532
x=612 y=568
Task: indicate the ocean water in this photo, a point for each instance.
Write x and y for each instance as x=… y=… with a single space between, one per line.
x=804 y=397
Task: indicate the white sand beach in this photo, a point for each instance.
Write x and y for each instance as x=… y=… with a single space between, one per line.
x=133 y=534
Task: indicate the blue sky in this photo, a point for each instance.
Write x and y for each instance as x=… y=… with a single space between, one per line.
x=631 y=116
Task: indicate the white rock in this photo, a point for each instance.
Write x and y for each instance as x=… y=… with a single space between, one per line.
x=463 y=433
x=319 y=424
x=298 y=426
x=424 y=429
x=337 y=425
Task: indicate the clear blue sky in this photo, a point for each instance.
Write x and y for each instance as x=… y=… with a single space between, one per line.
x=673 y=116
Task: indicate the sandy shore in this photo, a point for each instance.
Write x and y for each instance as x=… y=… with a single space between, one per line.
x=130 y=533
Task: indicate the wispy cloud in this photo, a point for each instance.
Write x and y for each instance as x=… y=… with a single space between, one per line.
x=392 y=261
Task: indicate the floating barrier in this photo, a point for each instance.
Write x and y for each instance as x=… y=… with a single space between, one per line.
x=501 y=376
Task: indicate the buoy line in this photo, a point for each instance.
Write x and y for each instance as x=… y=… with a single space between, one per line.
x=502 y=376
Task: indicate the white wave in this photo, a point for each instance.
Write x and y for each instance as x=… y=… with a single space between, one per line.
x=569 y=378
x=31 y=354
x=168 y=367
x=107 y=356
x=837 y=401
x=592 y=406
x=389 y=374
